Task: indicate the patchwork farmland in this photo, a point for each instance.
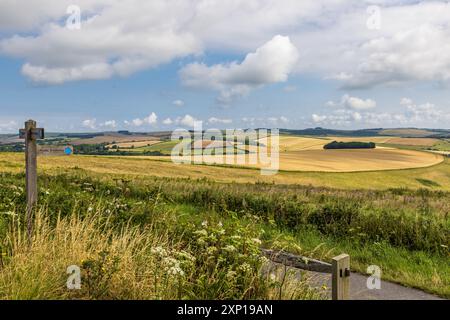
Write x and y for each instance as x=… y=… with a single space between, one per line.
x=385 y=206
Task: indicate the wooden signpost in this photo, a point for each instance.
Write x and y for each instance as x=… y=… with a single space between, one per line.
x=31 y=134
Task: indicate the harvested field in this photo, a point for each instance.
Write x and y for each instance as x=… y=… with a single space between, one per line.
x=113 y=138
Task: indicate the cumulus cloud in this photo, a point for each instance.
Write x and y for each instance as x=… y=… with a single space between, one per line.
x=420 y=54
x=90 y=124
x=187 y=120
x=152 y=120
x=411 y=114
x=167 y=121
x=111 y=124
x=271 y=63
x=355 y=103
x=119 y=38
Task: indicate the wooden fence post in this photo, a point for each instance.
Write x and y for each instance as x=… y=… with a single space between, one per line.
x=31 y=172
x=31 y=134
x=341 y=277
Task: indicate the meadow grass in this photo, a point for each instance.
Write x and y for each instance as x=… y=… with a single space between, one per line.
x=404 y=231
x=160 y=259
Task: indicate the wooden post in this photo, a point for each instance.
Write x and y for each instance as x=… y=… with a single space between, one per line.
x=31 y=134
x=31 y=173
x=341 y=277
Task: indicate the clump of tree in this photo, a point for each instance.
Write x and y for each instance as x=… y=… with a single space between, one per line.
x=350 y=145
x=18 y=147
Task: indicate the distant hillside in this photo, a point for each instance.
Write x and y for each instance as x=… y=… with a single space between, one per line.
x=397 y=132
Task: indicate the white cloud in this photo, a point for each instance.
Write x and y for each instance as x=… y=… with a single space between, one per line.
x=8 y=126
x=187 y=120
x=152 y=120
x=271 y=63
x=214 y=120
x=111 y=124
x=167 y=121
x=137 y=122
x=178 y=103
x=119 y=38
x=355 y=103
x=318 y=118
x=90 y=124
x=406 y=102
x=359 y=104
x=419 y=54
x=411 y=115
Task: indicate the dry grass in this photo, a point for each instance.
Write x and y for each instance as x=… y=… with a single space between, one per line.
x=129 y=263
x=420 y=142
x=336 y=160
x=39 y=271
x=142 y=167
x=289 y=143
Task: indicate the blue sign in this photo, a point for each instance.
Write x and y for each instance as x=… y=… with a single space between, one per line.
x=68 y=150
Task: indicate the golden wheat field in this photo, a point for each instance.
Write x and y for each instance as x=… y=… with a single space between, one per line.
x=332 y=160
x=307 y=154
x=145 y=167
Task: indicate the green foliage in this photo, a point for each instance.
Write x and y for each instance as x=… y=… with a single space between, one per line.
x=399 y=219
x=350 y=145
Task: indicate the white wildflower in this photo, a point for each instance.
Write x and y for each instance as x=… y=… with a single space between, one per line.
x=230 y=248
x=160 y=251
x=257 y=241
x=176 y=271
x=202 y=232
x=245 y=268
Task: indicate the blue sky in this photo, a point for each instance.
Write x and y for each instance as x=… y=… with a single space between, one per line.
x=290 y=64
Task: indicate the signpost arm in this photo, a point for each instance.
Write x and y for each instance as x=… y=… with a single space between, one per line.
x=31 y=172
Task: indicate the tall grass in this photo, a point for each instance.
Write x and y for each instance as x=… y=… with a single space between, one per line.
x=413 y=223
x=135 y=262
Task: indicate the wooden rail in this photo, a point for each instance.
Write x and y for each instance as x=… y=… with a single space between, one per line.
x=339 y=269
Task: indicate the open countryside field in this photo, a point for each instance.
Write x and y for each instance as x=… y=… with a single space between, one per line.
x=112 y=138
x=134 y=144
x=434 y=177
x=290 y=211
x=335 y=160
x=307 y=154
x=319 y=205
